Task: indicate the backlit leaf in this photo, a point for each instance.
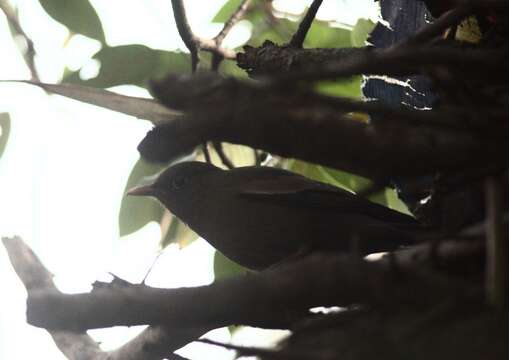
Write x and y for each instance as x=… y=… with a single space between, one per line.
x=360 y=32
x=132 y=64
x=225 y=268
x=226 y=11
x=5 y=125
x=137 y=211
x=77 y=15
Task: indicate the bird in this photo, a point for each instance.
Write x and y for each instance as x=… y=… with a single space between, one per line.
x=261 y=216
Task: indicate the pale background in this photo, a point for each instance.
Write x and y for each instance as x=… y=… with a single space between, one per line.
x=66 y=165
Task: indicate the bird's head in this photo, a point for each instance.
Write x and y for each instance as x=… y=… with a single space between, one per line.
x=179 y=185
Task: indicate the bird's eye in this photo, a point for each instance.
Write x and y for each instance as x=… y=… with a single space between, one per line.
x=178 y=182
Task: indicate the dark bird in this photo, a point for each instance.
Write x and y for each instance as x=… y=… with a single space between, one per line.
x=259 y=216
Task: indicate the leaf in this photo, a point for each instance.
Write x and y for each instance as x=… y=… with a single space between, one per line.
x=136 y=212
x=337 y=178
x=322 y=35
x=177 y=232
x=394 y=202
x=239 y=155
x=225 y=268
x=346 y=88
x=5 y=125
x=469 y=31
x=77 y=15
x=142 y=108
x=134 y=65
x=360 y=32
x=387 y=197
x=226 y=11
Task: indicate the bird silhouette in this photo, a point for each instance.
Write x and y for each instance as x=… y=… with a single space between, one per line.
x=260 y=216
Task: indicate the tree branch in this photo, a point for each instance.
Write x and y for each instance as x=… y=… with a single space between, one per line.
x=230 y=23
x=193 y=42
x=185 y=32
x=314 y=128
x=29 y=54
x=220 y=152
x=267 y=299
x=154 y=343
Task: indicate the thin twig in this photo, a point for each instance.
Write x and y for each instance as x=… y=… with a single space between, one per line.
x=298 y=38
x=210 y=46
x=496 y=247
x=220 y=152
x=29 y=54
x=195 y=43
x=450 y=18
x=257 y=157
x=206 y=153
x=230 y=23
x=185 y=32
x=218 y=56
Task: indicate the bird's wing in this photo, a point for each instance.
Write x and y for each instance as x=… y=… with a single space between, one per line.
x=286 y=188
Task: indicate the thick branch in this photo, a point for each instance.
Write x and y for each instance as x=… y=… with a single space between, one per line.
x=153 y=343
x=258 y=299
x=400 y=61
x=273 y=59
x=314 y=128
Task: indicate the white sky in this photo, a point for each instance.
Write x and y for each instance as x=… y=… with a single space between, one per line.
x=66 y=165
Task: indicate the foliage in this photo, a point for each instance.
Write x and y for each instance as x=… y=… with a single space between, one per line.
x=5 y=127
x=77 y=15
x=137 y=64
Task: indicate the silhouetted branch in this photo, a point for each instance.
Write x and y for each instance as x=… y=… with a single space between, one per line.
x=220 y=152
x=299 y=36
x=305 y=125
x=450 y=18
x=29 y=54
x=193 y=42
x=268 y=299
x=154 y=343
x=230 y=23
x=185 y=32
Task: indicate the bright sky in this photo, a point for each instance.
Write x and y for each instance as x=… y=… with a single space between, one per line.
x=66 y=165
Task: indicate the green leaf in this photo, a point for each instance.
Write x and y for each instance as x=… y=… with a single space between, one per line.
x=394 y=202
x=177 y=232
x=132 y=64
x=327 y=175
x=226 y=11
x=225 y=268
x=322 y=35
x=360 y=32
x=136 y=212
x=5 y=125
x=387 y=197
x=77 y=15
x=350 y=88
x=279 y=33
x=142 y=108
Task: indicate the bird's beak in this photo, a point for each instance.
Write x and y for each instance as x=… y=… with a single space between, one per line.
x=142 y=190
